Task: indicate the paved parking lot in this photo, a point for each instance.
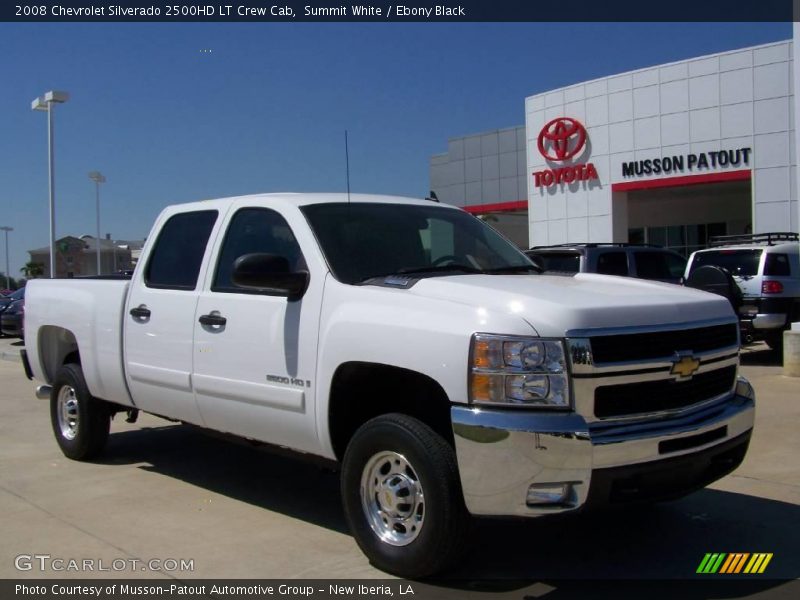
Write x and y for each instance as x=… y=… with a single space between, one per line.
x=164 y=491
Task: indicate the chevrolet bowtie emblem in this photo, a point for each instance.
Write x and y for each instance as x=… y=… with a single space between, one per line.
x=685 y=366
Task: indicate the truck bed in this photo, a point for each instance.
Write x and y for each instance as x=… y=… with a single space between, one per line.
x=62 y=314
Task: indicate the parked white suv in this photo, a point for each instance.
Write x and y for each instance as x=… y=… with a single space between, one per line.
x=766 y=267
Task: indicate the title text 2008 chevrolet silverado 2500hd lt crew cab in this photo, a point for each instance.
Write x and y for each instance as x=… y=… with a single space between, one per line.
x=410 y=342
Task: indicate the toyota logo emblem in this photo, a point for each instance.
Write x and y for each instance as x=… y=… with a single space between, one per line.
x=561 y=139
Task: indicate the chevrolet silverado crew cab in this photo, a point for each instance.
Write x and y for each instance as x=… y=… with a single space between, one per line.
x=412 y=344
x=766 y=267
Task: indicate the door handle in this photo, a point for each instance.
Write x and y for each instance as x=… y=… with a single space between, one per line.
x=140 y=312
x=213 y=320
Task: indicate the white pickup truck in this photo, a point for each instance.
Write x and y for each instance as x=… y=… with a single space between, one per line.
x=410 y=342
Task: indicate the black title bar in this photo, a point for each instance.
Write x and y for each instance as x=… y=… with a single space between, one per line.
x=397 y=12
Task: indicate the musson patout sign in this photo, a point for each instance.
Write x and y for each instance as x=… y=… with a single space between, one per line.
x=561 y=140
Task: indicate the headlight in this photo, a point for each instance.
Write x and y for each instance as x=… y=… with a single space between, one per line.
x=518 y=371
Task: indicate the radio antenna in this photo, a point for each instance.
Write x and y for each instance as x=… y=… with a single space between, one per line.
x=347 y=165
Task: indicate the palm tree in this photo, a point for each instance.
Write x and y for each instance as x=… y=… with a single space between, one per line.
x=32 y=270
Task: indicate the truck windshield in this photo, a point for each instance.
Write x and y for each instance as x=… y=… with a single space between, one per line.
x=362 y=241
x=741 y=263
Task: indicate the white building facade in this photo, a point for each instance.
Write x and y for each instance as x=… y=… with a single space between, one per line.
x=669 y=155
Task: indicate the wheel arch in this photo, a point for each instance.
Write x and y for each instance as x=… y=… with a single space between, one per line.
x=360 y=391
x=57 y=346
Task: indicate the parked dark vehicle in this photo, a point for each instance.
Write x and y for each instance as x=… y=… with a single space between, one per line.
x=4 y=302
x=629 y=260
x=12 y=316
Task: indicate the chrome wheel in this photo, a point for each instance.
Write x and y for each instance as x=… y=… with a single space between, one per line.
x=68 y=419
x=392 y=498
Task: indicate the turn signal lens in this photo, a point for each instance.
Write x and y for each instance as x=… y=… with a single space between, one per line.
x=480 y=354
x=487 y=388
x=487 y=353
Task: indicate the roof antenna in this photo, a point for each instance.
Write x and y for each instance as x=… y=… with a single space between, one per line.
x=347 y=165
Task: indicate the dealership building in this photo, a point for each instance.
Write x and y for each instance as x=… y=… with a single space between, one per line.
x=668 y=155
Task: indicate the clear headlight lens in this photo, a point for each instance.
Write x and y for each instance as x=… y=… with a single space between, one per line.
x=518 y=371
x=523 y=354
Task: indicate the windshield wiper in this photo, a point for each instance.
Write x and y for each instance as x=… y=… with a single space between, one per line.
x=439 y=269
x=514 y=269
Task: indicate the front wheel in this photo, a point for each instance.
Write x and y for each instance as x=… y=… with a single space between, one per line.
x=80 y=422
x=775 y=341
x=402 y=496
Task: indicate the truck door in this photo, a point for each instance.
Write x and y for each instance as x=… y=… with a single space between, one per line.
x=255 y=353
x=159 y=317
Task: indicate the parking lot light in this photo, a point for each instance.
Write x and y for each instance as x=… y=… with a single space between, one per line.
x=45 y=103
x=8 y=276
x=98 y=178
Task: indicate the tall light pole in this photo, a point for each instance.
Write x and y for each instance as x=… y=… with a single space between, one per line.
x=8 y=277
x=98 y=178
x=45 y=103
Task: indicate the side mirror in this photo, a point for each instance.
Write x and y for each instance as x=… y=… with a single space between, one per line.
x=269 y=274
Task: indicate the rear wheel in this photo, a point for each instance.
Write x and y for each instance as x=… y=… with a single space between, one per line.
x=402 y=496
x=80 y=422
x=775 y=341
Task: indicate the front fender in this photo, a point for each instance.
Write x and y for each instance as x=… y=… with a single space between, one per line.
x=394 y=328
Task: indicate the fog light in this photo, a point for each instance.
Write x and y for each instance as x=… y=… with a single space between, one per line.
x=548 y=493
x=743 y=388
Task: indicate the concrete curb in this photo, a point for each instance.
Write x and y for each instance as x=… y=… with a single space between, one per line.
x=791 y=353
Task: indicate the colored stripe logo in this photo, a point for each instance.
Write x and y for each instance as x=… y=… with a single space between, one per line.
x=734 y=563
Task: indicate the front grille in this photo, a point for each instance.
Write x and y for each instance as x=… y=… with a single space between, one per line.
x=642 y=346
x=631 y=399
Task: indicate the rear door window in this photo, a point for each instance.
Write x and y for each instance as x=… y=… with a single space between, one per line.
x=659 y=265
x=178 y=254
x=612 y=263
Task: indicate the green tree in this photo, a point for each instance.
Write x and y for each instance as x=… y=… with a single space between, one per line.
x=13 y=284
x=32 y=270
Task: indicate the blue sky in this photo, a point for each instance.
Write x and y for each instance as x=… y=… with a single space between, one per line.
x=266 y=109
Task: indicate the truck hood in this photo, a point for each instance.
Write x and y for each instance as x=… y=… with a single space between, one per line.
x=555 y=304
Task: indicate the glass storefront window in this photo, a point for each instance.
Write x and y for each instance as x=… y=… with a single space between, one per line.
x=684 y=239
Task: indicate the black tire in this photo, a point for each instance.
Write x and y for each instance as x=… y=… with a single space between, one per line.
x=442 y=521
x=775 y=342
x=717 y=280
x=84 y=437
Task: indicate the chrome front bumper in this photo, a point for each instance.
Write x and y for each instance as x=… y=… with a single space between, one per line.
x=504 y=455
